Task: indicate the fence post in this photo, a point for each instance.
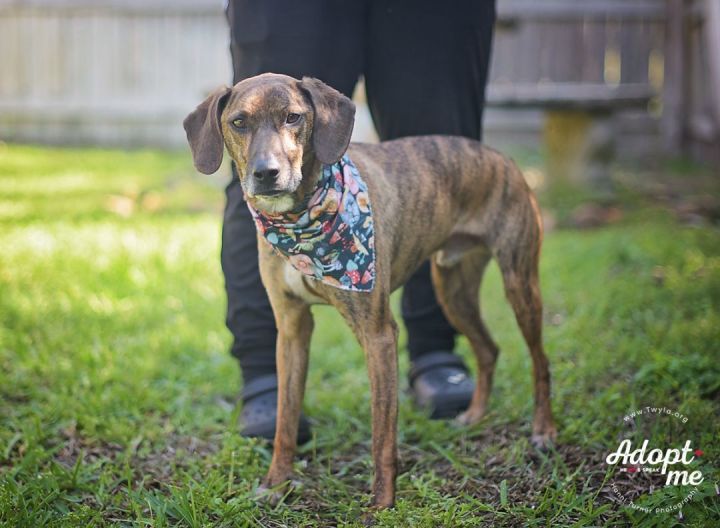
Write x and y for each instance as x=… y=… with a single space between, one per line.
x=674 y=89
x=712 y=41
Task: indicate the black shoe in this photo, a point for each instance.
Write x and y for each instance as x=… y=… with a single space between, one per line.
x=259 y=411
x=439 y=382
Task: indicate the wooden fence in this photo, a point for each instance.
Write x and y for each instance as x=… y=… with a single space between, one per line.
x=125 y=72
x=693 y=77
x=113 y=72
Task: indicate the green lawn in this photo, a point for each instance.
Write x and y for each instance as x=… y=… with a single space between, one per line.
x=118 y=396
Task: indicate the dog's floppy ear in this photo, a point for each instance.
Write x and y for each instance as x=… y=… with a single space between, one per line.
x=334 y=120
x=202 y=127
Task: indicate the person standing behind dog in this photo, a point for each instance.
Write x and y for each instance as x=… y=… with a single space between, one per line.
x=425 y=65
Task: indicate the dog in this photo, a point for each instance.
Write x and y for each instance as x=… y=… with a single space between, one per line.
x=444 y=198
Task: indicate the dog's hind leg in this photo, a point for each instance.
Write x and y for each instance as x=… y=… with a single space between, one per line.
x=457 y=288
x=519 y=266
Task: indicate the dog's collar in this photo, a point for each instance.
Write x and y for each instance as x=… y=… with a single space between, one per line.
x=331 y=240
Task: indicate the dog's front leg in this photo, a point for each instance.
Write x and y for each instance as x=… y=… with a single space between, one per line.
x=295 y=325
x=381 y=354
x=376 y=330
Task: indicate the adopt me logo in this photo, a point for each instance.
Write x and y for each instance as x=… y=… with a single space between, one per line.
x=644 y=467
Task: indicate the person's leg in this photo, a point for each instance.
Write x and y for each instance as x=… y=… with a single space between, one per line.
x=426 y=70
x=314 y=38
x=317 y=38
x=249 y=315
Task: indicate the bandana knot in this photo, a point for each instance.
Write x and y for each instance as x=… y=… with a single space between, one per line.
x=333 y=239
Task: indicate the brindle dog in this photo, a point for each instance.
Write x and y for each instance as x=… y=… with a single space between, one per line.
x=446 y=198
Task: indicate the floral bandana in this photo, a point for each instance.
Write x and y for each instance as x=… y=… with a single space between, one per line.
x=333 y=239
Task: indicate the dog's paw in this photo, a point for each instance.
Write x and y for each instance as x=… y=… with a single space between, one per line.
x=273 y=495
x=368 y=518
x=545 y=440
x=469 y=417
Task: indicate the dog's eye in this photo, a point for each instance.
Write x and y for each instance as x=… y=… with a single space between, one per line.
x=238 y=122
x=292 y=118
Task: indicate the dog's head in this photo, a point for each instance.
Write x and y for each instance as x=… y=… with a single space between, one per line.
x=277 y=129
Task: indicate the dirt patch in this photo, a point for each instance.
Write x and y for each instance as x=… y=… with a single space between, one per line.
x=150 y=466
x=491 y=466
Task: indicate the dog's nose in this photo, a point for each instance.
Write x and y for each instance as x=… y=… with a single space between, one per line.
x=265 y=174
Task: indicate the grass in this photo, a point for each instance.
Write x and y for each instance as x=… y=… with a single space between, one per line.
x=118 y=396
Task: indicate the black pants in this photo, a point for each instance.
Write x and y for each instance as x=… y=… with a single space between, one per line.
x=425 y=64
